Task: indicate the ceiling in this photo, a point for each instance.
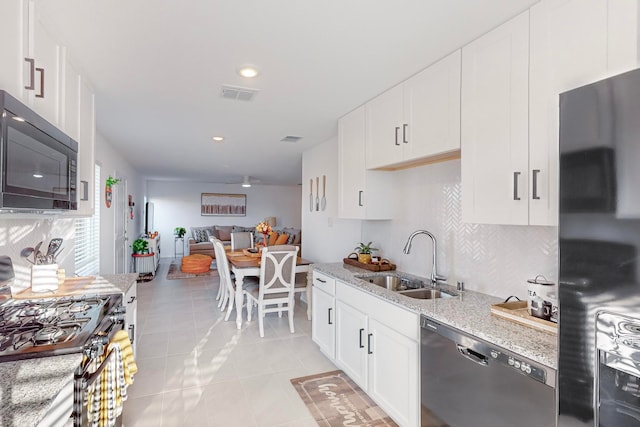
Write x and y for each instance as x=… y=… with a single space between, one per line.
x=157 y=67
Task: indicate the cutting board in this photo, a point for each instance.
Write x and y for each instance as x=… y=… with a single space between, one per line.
x=516 y=311
x=71 y=286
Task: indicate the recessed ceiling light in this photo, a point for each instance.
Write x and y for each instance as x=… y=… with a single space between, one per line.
x=38 y=175
x=248 y=71
x=217 y=138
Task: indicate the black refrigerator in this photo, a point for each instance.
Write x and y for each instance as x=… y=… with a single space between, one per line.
x=599 y=236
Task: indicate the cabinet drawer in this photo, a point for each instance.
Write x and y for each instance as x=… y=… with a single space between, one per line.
x=402 y=321
x=324 y=282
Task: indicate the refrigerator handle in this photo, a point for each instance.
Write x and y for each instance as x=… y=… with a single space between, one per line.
x=515 y=186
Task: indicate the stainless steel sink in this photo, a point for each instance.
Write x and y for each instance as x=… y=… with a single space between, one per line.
x=392 y=282
x=425 y=293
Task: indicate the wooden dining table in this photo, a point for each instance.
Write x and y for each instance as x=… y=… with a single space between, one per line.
x=243 y=265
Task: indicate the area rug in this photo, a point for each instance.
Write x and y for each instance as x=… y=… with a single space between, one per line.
x=335 y=400
x=175 y=273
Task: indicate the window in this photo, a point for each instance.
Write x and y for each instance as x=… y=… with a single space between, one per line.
x=87 y=253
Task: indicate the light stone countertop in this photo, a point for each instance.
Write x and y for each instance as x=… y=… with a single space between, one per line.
x=468 y=312
x=29 y=387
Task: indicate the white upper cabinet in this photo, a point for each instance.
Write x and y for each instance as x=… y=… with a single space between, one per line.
x=70 y=102
x=362 y=194
x=494 y=130
x=13 y=32
x=417 y=120
x=44 y=75
x=86 y=150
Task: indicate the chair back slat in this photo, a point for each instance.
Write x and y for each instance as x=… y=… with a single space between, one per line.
x=277 y=269
x=223 y=265
x=241 y=240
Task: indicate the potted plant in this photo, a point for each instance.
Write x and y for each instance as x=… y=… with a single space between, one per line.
x=179 y=231
x=111 y=181
x=364 y=252
x=140 y=246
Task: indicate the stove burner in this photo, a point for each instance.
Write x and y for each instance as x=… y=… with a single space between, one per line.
x=48 y=334
x=32 y=311
x=79 y=307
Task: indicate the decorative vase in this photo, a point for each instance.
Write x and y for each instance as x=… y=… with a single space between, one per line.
x=364 y=258
x=107 y=195
x=265 y=240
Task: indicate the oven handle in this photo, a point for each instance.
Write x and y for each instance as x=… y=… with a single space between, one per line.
x=472 y=355
x=88 y=379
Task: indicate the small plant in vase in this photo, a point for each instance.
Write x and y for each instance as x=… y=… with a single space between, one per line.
x=364 y=252
x=179 y=231
x=265 y=229
x=140 y=246
x=111 y=181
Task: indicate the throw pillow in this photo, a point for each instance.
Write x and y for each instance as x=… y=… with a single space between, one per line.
x=199 y=234
x=224 y=231
x=273 y=236
x=282 y=239
x=296 y=233
x=212 y=232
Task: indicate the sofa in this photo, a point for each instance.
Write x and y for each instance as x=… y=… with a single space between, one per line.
x=200 y=238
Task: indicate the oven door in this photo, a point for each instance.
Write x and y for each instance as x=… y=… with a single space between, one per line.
x=88 y=375
x=618 y=374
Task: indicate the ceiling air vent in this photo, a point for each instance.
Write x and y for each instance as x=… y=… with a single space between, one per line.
x=238 y=93
x=291 y=138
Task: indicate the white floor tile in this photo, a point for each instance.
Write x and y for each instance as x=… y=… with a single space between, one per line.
x=196 y=369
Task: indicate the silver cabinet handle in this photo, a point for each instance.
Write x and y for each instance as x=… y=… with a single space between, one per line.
x=132 y=333
x=535 y=184
x=404 y=133
x=397 y=130
x=41 y=94
x=329 y=316
x=360 y=198
x=515 y=186
x=32 y=72
x=361 y=345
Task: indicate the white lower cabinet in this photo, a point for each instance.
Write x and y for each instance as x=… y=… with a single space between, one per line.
x=377 y=346
x=324 y=313
x=131 y=304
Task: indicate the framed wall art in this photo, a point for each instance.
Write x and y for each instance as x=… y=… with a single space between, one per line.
x=223 y=204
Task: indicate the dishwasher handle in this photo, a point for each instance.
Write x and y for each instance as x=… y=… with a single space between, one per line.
x=474 y=356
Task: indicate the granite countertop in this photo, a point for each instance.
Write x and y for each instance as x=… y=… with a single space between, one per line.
x=469 y=312
x=29 y=387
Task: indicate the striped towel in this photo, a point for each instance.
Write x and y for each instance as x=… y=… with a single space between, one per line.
x=105 y=397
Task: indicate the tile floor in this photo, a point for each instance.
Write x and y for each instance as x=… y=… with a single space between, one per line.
x=196 y=369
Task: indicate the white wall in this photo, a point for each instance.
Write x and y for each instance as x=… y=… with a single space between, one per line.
x=18 y=231
x=493 y=259
x=326 y=238
x=112 y=163
x=177 y=204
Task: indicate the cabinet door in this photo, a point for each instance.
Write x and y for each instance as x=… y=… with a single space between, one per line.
x=432 y=110
x=131 y=317
x=70 y=119
x=12 y=32
x=495 y=72
x=568 y=49
x=351 y=164
x=323 y=322
x=46 y=52
x=394 y=373
x=385 y=129
x=86 y=150
x=351 y=342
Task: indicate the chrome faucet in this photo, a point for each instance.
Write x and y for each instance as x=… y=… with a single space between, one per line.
x=407 y=248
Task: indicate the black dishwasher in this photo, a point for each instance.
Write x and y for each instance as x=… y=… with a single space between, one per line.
x=466 y=382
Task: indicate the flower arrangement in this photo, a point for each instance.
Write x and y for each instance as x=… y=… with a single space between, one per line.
x=263 y=228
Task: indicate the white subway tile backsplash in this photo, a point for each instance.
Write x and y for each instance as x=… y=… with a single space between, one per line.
x=494 y=259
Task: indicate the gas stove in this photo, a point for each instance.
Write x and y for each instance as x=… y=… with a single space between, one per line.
x=56 y=326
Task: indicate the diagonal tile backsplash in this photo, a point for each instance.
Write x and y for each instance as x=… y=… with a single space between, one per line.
x=494 y=259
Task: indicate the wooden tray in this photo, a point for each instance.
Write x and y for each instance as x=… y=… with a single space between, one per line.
x=371 y=267
x=256 y=255
x=516 y=311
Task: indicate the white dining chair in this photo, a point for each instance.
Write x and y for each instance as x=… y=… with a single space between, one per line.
x=241 y=240
x=277 y=283
x=226 y=282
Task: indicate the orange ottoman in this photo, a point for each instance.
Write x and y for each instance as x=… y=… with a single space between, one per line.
x=197 y=263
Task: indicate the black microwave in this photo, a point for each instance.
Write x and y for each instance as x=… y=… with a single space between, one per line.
x=38 y=162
